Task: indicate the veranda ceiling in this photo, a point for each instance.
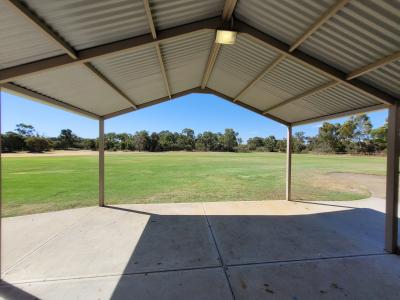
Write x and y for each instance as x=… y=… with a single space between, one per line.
x=293 y=61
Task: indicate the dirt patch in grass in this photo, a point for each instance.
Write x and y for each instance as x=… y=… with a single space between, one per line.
x=375 y=184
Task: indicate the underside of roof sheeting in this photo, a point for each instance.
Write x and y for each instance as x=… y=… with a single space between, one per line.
x=286 y=80
x=185 y=60
x=363 y=32
x=387 y=78
x=171 y=13
x=136 y=73
x=19 y=42
x=294 y=78
x=330 y=101
x=85 y=24
x=237 y=65
x=286 y=20
x=78 y=86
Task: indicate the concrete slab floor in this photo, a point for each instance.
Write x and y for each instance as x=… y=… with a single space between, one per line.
x=220 y=250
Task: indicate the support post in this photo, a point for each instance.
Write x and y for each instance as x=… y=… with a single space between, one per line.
x=289 y=163
x=392 y=179
x=101 y=161
x=1 y=193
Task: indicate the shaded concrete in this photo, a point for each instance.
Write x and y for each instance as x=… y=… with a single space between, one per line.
x=373 y=277
x=181 y=251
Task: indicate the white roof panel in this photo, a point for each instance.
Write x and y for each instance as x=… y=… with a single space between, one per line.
x=78 y=86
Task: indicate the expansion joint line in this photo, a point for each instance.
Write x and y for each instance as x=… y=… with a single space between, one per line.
x=224 y=267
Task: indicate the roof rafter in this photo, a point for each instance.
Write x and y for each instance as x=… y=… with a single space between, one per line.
x=375 y=65
x=164 y=73
x=51 y=35
x=303 y=95
x=150 y=20
x=313 y=63
x=105 y=50
x=16 y=89
x=318 y=23
x=152 y=27
x=226 y=16
x=342 y=114
x=40 y=26
x=268 y=69
x=197 y=90
x=108 y=82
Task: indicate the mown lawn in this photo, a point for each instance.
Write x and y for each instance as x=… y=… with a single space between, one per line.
x=38 y=184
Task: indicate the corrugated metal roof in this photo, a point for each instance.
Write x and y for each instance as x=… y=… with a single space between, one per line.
x=294 y=78
x=185 y=59
x=136 y=73
x=87 y=23
x=362 y=32
x=330 y=101
x=238 y=64
x=285 y=20
x=171 y=13
x=386 y=78
x=20 y=43
x=286 y=80
x=78 y=86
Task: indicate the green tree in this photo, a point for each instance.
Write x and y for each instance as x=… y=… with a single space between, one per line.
x=255 y=143
x=270 y=143
x=11 y=142
x=379 y=137
x=67 y=139
x=38 y=144
x=25 y=130
x=229 y=140
x=142 y=140
x=299 y=142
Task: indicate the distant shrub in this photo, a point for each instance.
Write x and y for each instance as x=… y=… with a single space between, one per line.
x=38 y=144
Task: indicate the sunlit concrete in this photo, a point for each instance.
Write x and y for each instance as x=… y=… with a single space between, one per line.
x=254 y=250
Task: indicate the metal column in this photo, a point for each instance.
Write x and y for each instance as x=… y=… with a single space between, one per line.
x=101 y=162
x=1 y=193
x=392 y=180
x=289 y=164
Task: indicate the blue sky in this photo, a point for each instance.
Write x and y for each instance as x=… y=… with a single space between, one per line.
x=197 y=111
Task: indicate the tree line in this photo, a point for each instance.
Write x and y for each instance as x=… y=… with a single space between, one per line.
x=356 y=135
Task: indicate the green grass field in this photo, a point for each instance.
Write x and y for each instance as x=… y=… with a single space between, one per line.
x=38 y=184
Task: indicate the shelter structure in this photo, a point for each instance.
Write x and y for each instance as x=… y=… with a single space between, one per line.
x=294 y=62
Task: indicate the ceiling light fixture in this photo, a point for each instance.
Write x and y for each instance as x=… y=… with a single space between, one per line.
x=226 y=37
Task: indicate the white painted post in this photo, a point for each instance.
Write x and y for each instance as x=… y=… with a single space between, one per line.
x=289 y=164
x=101 y=162
x=1 y=192
x=392 y=179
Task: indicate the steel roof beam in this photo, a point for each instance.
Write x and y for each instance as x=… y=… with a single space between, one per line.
x=39 y=25
x=16 y=89
x=55 y=38
x=342 y=114
x=105 y=50
x=303 y=95
x=320 y=21
x=268 y=69
x=152 y=27
x=196 y=90
x=226 y=16
x=375 y=65
x=313 y=63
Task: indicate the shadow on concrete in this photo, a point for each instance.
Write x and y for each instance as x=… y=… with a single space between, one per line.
x=9 y=291
x=191 y=256
x=167 y=246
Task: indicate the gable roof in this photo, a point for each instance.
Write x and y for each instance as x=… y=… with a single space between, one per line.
x=293 y=61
